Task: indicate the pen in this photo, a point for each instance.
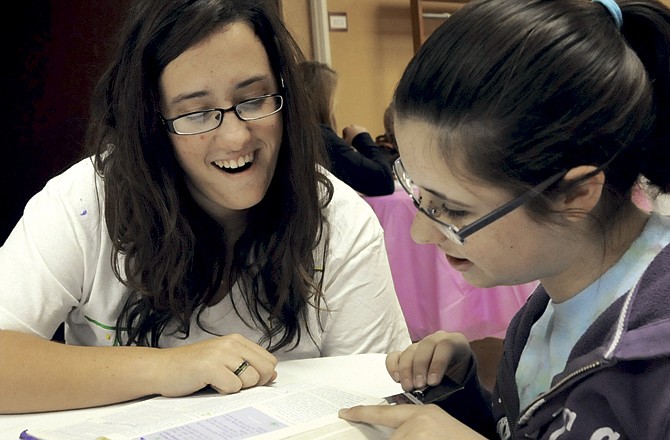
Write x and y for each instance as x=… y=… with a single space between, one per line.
x=25 y=436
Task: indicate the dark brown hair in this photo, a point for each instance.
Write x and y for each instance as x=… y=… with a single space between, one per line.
x=523 y=89
x=167 y=249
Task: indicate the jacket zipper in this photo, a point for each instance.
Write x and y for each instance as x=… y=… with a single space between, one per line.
x=537 y=403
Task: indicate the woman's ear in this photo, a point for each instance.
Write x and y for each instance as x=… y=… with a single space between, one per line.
x=585 y=185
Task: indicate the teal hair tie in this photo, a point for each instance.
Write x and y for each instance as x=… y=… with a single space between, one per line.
x=614 y=10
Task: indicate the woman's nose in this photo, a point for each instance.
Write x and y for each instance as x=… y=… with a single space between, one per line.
x=233 y=132
x=423 y=230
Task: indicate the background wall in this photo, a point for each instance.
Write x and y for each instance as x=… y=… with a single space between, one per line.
x=369 y=58
x=296 y=15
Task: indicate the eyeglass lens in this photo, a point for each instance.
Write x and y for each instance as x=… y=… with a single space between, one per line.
x=408 y=185
x=250 y=110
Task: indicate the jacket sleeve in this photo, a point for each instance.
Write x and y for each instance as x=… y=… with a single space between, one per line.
x=365 y=145
x=364 y=169
x=472 y=405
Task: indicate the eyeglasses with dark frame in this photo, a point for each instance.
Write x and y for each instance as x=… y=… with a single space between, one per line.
x=459 y=235
x=207 y=120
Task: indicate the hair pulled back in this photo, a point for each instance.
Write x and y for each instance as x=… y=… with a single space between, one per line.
x=523 y=89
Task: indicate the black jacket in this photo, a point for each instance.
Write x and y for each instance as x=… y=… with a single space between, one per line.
x=366 y=167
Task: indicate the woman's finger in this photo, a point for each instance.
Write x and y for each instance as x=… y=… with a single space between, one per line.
x=386 y=415
x=392 y=360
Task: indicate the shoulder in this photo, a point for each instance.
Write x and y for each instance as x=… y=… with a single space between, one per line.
x=61 y=240
x=654 y=285
x=657 y=267
x=326 y=130
x=649 y=306
x=349 y=211
x=72 y=199
x=352 y=226
x=331 y=139
x=80 y=180
x=328 y=133
x=636 y=410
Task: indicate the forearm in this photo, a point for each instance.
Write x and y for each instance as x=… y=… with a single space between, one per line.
x=40 y=375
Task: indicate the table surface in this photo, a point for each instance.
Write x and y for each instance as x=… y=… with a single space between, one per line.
x=432 y=294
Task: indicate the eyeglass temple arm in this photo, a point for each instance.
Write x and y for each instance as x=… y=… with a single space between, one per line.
x=511 y=206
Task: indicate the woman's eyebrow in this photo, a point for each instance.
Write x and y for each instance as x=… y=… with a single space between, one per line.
x=189 y=95
x=444 y=198
x=252 y=80
x=203 y=93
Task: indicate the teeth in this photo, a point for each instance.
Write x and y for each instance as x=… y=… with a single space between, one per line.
x=232 y=164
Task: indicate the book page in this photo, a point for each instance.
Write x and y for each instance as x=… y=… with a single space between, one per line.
x=271 y=412
x=301 y=404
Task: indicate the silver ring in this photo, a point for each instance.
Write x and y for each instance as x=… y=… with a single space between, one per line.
x=243 y=366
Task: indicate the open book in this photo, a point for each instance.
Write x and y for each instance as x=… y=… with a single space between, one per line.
x=301 y=404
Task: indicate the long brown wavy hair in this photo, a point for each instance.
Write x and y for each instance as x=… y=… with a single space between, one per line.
x=167 y=250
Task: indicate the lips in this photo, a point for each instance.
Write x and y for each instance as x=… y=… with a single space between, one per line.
x=460 y=264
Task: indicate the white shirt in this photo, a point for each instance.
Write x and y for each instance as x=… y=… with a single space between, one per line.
x=56 y=267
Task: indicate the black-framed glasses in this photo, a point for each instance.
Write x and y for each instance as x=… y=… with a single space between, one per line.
x=454 y=233
x=207 y=120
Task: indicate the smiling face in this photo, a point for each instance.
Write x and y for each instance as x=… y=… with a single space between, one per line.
x=512 y=250
x=229 y=169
